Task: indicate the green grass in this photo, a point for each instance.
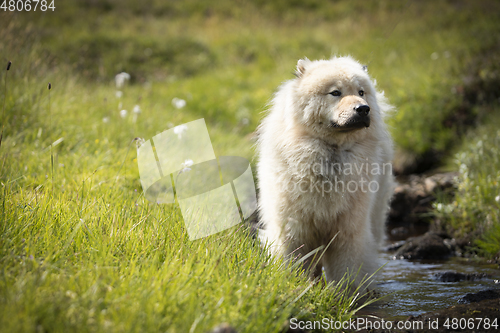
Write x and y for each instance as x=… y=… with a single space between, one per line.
x=82 y=250
x=231 y=57
x=475 y=211
x=101 y=259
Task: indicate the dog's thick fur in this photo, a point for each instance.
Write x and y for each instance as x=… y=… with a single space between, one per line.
x=306 y=144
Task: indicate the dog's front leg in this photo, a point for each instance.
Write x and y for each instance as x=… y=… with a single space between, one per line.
x=353 y=250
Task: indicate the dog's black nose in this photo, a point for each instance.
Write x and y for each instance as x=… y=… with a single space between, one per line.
x=362 y=110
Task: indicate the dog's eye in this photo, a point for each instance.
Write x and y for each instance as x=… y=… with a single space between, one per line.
x=361 y=93
x=336 y=93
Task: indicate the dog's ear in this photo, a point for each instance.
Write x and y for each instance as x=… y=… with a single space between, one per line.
x=301 y=67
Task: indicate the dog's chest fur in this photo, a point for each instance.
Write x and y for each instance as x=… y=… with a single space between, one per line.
x=322 y=184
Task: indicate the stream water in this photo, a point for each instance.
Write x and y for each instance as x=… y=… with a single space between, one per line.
x=412 y=287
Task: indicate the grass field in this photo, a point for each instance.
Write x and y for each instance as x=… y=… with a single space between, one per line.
x=80 y=247
x=474 y=212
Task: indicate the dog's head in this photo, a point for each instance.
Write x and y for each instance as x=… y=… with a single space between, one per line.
x=335 y=97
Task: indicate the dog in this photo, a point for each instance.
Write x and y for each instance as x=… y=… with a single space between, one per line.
x=324 y=169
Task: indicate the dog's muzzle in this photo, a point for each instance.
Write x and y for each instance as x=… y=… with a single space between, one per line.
x=360 y=118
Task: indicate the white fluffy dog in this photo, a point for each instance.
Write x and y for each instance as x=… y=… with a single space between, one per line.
x=324 y=168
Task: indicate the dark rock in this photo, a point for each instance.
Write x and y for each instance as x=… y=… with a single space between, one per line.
x=465 y=244
x=480 y=296
x=457 y=277
x=412 y=163
x=412 y=201
x=407 y=205
x=394 y=246
x=428 y=246
x=400 y=231
x=443 y=181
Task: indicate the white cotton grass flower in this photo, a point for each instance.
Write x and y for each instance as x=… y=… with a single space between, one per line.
x=443 y=208
x=187 y=163
x=497 y=198
x=105 y=120
x=186 y=166
x=184 y=170
x=123 y=113
x=178 y=103
x=121 y=78
x=136 y=111
x=118 y=94
x=463 y=168
x=179 y=130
